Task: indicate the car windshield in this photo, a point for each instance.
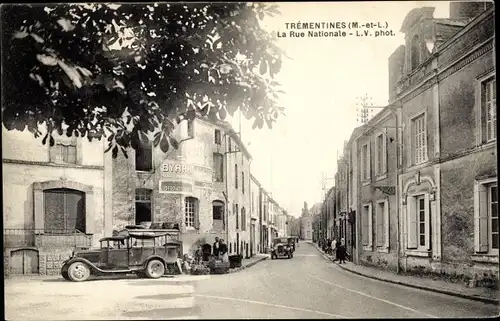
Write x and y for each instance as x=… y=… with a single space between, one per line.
x=284 y=241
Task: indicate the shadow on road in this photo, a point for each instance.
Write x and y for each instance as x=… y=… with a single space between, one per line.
x=164 y=313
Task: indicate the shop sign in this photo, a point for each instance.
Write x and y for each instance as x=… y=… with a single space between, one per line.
x=176 y=187
x=177 y=168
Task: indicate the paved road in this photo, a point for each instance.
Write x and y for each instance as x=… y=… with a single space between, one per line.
x=306 y=286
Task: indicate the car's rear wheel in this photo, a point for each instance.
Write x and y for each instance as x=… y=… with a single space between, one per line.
x=78 y=272
x=155 y=269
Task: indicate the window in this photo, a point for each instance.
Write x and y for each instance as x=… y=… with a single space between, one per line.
x=382 y=221
x=64 y=210
x=243 y=182
x=143 y=205
x=218 y=210
x=486 y=217
x=243 y=219
x=365 y=162
x=217 y=137
x=191 y=212
x=380 y=155
x=415 y=52
x=218 y=167
x=419 y=222
x=63 y=153
x=229 y=144
x=419 y=139
x=237 y=212
x=366 y=228
x=236 y=176
x=144 y=157
x=488 y=110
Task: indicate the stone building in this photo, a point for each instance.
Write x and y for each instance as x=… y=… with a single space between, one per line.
x=255 y=211
x=53 y=199
x=203 y=186
x=434 y=210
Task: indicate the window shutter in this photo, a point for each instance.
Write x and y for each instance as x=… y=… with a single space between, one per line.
x=481 y=219
x=427 y=222
x=196 y=214
x=384 y=154
x=380 y=225
x=369 y=165
x=386 y=224
x=364 y=226
x=412 y=223
x=370 y=225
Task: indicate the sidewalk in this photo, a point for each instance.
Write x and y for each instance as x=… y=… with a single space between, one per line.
x=478 y=293
x=246 y=263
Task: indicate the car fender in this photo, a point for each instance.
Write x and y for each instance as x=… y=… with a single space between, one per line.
x=92 y=266
x=149 y=258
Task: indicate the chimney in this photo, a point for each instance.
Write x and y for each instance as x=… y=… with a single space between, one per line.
x=468 y=10
x=396 y=70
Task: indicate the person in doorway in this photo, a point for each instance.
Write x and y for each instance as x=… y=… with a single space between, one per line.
x=223 y=251
x=334 y=249
x=341 y=251
x=216 y=248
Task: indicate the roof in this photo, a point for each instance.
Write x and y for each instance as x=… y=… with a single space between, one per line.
x=229 y=130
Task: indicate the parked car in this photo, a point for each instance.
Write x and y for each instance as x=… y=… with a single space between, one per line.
x=291 y=242
x=281 y=248
x=142 y=252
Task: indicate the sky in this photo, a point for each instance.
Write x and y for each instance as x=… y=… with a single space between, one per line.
x=322 y=81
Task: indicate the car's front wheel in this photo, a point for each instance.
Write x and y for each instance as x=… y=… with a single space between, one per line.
x=78 y=272
x=155 y=269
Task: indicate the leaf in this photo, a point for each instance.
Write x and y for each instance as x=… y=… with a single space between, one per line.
x=111 y=137
x=261 y=15
x=263 y=67
x=174 y=143
x=115 y=152
x=222 y=113
x=52 y=141
x=44 y=140
x=164 y=144
x=109 y=147
x=124 y=151
x=157 y=138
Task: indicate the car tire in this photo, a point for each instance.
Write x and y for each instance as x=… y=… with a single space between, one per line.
x=78 y=272
x=155 y=269
x=65 y=275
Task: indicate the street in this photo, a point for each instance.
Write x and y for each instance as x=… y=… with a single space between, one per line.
x=306 y=286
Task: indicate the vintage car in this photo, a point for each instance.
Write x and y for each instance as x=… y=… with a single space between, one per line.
x=144 y=253
x=281 y=248
x=291 y=242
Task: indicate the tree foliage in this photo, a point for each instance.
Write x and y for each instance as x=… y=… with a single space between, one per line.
x=129 y=72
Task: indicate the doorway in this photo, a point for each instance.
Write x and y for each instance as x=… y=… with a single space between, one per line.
x=24 y=261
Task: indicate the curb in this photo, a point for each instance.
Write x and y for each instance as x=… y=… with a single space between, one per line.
x=247 y=266
x=421 y=287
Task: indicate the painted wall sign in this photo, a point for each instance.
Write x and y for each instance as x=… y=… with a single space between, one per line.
x=177 y=168
x=176 y=187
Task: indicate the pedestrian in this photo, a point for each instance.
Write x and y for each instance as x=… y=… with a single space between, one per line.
x=341 y=251
x=334 y=249
x=223 y=251
x=216 y=247
x=198 y=255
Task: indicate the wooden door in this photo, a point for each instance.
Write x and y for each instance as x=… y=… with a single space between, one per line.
x=24 y=261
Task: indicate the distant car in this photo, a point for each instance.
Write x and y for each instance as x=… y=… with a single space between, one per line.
x=281 y=248
x=141 y=252
x=291 y=242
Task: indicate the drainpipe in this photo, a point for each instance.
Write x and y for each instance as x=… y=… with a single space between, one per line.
x=226 y=219
x=398 y=228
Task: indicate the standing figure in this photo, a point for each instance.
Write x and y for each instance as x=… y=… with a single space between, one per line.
x=334 y=249
x=341 y=251
x=216 y=248
x=223 y=251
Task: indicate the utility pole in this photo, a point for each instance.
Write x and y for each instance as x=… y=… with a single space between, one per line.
x=364 y=109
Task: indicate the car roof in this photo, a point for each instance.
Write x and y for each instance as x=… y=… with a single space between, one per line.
x=114 y=238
